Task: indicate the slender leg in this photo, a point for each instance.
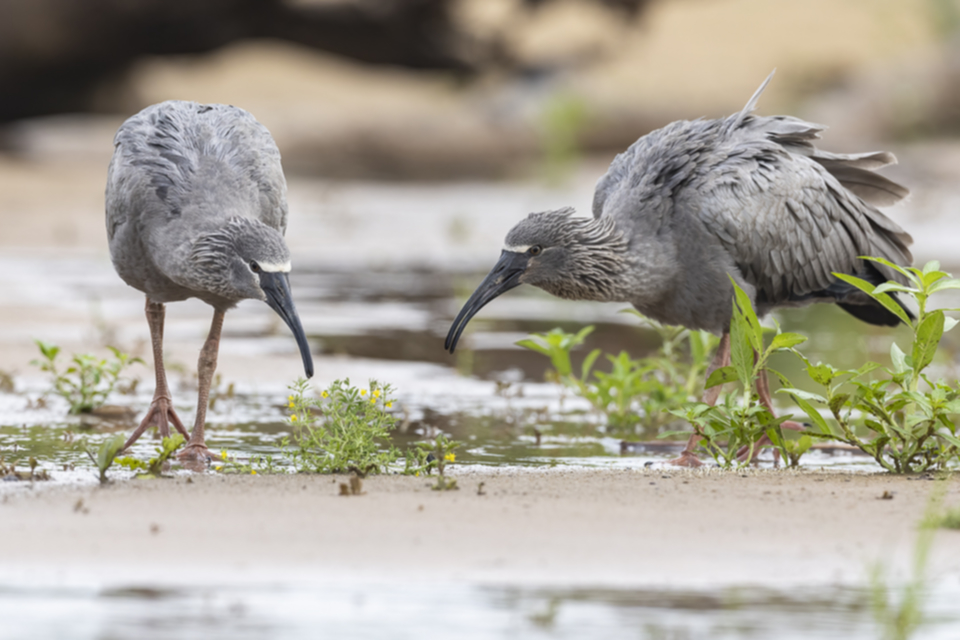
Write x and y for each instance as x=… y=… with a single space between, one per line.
x=687 y=457
x=196 y=450
x=161 y=409
x=763 y=394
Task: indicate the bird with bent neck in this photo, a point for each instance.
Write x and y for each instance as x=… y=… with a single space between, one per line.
x=196 y=208
x=695 y=206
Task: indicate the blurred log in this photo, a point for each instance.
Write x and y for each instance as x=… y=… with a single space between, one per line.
x=55 y=55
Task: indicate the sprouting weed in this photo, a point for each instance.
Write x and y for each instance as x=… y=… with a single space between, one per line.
x=154 y=467
x=435 y=454
x=88 y=380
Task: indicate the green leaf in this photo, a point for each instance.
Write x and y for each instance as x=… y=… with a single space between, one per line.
x=837 y=402
x=806 y=395
x=743 y=303
x=885 y=299
x=814 y=415
x=949 y=323
x=898 y=358
x=893 y=266
x=820 y=373
x=723 y=375
x=588 y=364
x=950 y=283
x=527 y=343
x=893 y=286
x=786 y=340
x=927 y=340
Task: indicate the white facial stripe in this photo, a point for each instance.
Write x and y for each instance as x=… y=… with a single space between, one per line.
x=270 y=267
x=517 y=248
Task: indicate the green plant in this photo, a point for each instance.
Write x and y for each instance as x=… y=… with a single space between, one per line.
x=153 y=468
x=732 y=429
x=355 y=424
x=87 y=382
x=636 y=394
x=423 y=457
x=104 y=458
x=901 y=418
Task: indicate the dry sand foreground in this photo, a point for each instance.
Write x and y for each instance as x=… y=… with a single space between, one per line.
x=651 y=528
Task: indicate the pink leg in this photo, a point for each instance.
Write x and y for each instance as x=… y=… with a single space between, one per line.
x=196 y=451
x=161 y=409
x=763 y=393
x=687 y=458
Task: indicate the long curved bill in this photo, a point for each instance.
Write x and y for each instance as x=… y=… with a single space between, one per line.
x=277 y=287
x=504 y=276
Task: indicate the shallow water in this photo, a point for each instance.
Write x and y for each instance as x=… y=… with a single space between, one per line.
x=434 y=610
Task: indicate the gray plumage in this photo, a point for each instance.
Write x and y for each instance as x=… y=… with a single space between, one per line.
x=196 y=208
x=194 y=193
x=690 y=203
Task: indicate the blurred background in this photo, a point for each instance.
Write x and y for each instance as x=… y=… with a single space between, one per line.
x=415 y=133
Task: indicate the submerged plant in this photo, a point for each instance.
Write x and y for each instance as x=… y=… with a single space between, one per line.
x=153 y=468
x=88 y=380
x=351 y=434
x=901 y=418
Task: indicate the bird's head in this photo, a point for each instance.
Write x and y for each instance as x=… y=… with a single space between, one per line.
x=248 y=259
x=568 y=256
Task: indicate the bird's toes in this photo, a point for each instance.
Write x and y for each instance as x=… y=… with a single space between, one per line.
x=195 y=457
x=686 y=459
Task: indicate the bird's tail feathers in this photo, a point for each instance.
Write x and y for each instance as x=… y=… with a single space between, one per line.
x=856 y=173
x=751 y=103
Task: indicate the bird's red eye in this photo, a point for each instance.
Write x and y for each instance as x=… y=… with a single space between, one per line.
x=255 y=267
x=535 y=250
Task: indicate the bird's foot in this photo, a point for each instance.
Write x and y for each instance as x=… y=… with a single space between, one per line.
x=686 y=459
x=160 y=415
x=195 y=456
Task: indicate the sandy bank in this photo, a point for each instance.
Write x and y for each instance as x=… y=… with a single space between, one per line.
x=649 y=528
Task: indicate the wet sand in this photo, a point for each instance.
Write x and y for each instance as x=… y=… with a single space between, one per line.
x=656 y=527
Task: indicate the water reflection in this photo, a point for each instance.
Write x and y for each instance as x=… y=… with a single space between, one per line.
x=434 y=610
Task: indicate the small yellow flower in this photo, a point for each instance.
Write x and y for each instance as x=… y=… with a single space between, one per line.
x=218 y=468
x=324 y=394
x=363 y=392
x=290 y=398
x=223 y=454
x=376 y=394
x=373 y=401
x=291 y=405
x=253 y=472
x=293 y=417
x=389 y=404
x=450 y=457
x=417 y=474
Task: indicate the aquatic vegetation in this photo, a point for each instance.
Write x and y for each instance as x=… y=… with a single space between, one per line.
x=734 y=427
x=352 y=431
x=106 y=454
x=901 y=418
x=89 y=380
x=153 y=468
x=9 y=470
x=637 y=395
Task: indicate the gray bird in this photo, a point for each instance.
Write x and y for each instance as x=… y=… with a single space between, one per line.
x=196 y=208
x=690 y=205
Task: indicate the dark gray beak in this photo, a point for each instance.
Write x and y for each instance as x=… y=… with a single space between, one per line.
x=504 y=276
x=277 y=288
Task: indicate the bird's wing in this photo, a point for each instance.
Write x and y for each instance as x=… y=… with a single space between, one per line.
x=790 y=215
x=183 y=158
